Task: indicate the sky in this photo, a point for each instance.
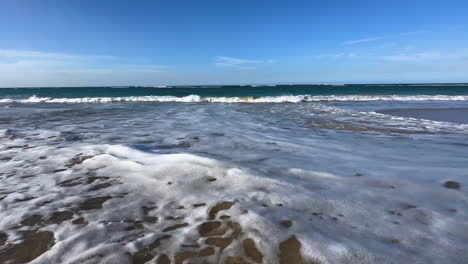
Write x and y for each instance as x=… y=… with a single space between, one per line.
x=151 y=43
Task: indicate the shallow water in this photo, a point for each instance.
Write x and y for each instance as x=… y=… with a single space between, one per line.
x=321 y=181
x=453 y=115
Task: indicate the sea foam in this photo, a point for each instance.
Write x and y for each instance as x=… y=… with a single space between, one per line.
x=246 y=99
x=115 y=182
x=332 y=221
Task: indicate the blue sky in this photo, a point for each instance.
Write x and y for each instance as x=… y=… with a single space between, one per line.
x=85 y=43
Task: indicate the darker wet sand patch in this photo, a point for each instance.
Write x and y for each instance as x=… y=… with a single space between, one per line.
x=147 y=209
x=131 y=221
x=217 y=237
x=33 y=245
x=79 y=221
x=251 y=250
x=174 y=227
x=209 y=251
x=32 y=220
x=236 y=229
x=147 y=253
x=150 y=219
x=211 y=228
x=25 y=199
x=163 y=259
x=77 y=160
x=27 y=176
x=17 y=147
x=221 y=242
x=132 y=224
x=3 y=238
x=236 y=260
x=100 y=186
x=290 y=251
x=71 y=182
x=181 y=257
x=6 y=159
x=93 y=203
x=452 y=185
x=95 y=178
x=219 y=207
x=286 y=223
x=59 y=217
x=55 y=218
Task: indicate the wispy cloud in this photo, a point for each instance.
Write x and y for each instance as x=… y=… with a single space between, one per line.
x=357 y=41
x=426 y=57
x=342 y=55
x=38 y=68
x=223 y=61
x=29 y=54
x=52 y=61
x=407 y=56
x=371 y=39
x=417 y=32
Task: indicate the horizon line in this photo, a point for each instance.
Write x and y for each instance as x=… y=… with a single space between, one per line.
x=253 y=85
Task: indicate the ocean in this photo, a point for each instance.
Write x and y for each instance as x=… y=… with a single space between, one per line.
x=235 y=174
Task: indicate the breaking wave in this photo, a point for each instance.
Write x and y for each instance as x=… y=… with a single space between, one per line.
x=246 y=99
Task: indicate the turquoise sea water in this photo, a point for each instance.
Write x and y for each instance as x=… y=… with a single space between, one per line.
x=236 y=91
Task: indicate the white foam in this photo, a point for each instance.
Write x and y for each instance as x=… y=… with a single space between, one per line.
x=357 y=237
x=256 y=162
x=246 y=99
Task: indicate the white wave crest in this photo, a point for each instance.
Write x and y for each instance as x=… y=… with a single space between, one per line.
x=247 y=99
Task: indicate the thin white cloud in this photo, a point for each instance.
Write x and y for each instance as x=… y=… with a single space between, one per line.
x=29 y=54
x=342 y=55
x=223 y=61
x=409 y=56
x=426 y=56
x=37 y=68
x=371 y=39
x=49 y=61
x=357 y=41
x=417 y=32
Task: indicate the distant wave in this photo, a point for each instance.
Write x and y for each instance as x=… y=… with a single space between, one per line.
x=246 y=99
